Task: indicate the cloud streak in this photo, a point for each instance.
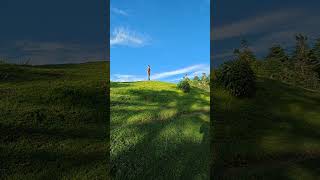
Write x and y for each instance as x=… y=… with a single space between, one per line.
x=195 y=68
x=125 y=37
x=257 y=24
x=119 y=11
x=190 y=70
x=49 y=52
x=125 y=78
x=272 y=28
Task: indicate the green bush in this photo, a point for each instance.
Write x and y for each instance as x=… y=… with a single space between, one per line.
x=184 y=86
x=238 y=78
x=294 y=73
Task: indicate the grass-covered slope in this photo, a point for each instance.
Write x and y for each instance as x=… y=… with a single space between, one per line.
x=159 y=132
x=274 y=135
x=53 y=121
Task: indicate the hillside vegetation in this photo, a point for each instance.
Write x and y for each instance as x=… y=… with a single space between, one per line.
x=274 y=135
x=159 y=132
x=53 y=121
x=273 y=131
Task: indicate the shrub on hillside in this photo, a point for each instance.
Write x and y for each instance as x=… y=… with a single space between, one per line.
x=184 y=85
x=238 y=78
x=294 y=73
x=196 y=78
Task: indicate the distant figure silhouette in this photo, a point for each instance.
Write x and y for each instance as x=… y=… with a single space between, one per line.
x=149 y=70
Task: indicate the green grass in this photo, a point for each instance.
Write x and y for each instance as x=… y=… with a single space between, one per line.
x=53 y=121
x=159 y=132
x=53 y=125
x=274 y=135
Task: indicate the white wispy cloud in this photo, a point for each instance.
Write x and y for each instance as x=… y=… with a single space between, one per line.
x=125 y=78
x=272 y=28
x=190 y=70
x=223 y=55
x=286 y=36
x=125 y=37
x=119 y=11
x=257 y=24
x=186 y=70
x=52 y=52
x=175 y=80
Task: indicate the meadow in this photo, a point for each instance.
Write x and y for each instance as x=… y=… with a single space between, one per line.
x=53 y=121
x=159 y=132
x=273 y=135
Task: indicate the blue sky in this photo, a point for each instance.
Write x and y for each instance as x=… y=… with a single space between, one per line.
x=53 y=32
x=262 y=24
x=172 y=36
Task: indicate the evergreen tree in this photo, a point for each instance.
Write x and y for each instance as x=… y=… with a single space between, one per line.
x=277 y=53
x=305 y=58
x=204 y=77
x=316 y=51
x=196 y=78
x=245 y=53
x=304 y=55
x=312 y=58
x=301 y=51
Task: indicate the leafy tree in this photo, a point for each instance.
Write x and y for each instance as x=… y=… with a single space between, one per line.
x=186 y=77
x=312 y=58
x=244 y=53
x=184 y=86
x=316 y=58
x=302 y=49
x=196 y=78
x=277 y=53
x=305 y=63
x=204 y=77
x=238 y=78
x=316 y=50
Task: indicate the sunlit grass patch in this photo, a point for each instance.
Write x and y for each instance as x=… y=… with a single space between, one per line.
x=277 y=128
x=53 y=121
x=159 y=131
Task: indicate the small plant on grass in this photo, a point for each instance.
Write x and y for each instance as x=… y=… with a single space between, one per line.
x=184 y=85
x=196 y=78
x=238 y=78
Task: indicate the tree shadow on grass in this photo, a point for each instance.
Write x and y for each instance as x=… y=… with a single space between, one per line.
x=47 y=163
x=150 y=158
x=38 y=152
x=10 y=73
x=252 y=135
x=61 y=132
x=120 y=85
x=162 y=148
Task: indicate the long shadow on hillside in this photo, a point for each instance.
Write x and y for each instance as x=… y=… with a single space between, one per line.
x=17 y=73
x=271 y=130
x=52 y=123
x=151 y=158
x=120 y=85
x=48 y=163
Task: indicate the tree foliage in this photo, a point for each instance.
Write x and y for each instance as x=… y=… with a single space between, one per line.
x=301 y=68
x=238 y=78
x=184 y=85
x=244 y=53
x=277 y=53
x=196 y=78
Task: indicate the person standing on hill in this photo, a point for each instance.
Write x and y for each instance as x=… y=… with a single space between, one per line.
x=148 y=71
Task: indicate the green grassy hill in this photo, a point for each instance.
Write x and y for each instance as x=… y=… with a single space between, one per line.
x=274 y=135
x=53 y=121
x=159 y=131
